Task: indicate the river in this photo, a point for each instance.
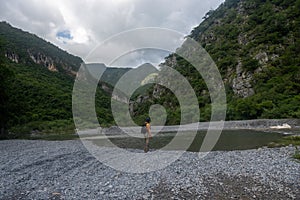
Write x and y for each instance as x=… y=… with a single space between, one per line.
x=229 y=140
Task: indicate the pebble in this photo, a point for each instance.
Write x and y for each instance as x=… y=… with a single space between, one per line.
x=47 y=169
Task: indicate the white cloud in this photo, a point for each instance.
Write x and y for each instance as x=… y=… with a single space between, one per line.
x=92 y=21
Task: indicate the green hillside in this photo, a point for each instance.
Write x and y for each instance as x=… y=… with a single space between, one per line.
x=36 y=83
x=256 y=46
x=113 y=74
x=26 y=45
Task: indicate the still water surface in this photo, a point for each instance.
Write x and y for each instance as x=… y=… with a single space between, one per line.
x=229 y=140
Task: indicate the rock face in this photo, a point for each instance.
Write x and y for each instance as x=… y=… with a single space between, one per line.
x=12 y=56
x=254 y=45
x=241 y=84
x=25 y=48
x=262 y=58
x=44 y=60
x=120 y=97
x=116 y=95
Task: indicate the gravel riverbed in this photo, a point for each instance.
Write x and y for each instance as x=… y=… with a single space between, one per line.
x=34 y=169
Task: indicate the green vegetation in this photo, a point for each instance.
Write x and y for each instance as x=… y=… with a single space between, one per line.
x=258 y=39
x=297 y=154
x=285 y=141
x=268 y=27
x=36 y=102
x=112 y=74
x=17 y=41
x=255 y=44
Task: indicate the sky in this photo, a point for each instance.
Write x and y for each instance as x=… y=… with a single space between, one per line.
x=80 y=26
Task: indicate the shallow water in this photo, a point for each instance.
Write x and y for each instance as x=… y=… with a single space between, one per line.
x=229 y=140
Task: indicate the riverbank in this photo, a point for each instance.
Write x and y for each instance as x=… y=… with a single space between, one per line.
x=66 y=170
x=258 y=124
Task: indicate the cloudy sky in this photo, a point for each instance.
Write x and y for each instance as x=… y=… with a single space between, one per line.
x=79 y=26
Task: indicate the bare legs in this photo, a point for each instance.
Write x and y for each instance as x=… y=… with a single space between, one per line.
x=146 y=149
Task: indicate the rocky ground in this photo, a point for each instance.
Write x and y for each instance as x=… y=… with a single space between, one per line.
x=66 y=170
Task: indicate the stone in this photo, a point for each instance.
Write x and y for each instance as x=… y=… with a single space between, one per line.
x=241 y=84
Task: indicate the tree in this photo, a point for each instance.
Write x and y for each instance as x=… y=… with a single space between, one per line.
x=5 y=76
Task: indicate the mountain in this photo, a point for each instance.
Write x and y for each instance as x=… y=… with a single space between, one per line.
x=110 y=77
x=26 y=48
x=122 y=84
x=254 y=43
x=36 y=83
x=112 y=74
x=256 y=46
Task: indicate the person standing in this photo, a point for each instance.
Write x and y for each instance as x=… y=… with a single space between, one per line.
x=148 y=134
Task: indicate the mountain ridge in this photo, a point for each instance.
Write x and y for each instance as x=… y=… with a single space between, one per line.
x=37 y=78
x=36 y=81
x=255 y=45
x=23 y=47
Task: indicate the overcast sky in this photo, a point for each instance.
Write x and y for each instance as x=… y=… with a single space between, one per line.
x=78 y=26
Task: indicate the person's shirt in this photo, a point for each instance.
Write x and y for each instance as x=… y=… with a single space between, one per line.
x=148 y=127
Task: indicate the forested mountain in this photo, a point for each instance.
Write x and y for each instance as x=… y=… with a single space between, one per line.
x=256 y=46
x=26 y=48
x=113 y=74
x=36 y=82
x=254 y=43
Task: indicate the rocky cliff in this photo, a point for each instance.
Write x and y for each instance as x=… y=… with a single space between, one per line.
x=256 y=46
x=23 y=47
x=36 y=84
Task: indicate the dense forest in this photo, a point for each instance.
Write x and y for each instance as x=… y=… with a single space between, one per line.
x=36 y=83
x=256 y=46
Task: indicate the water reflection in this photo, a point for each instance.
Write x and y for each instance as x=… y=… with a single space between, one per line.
x=229 y=140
